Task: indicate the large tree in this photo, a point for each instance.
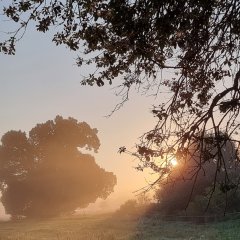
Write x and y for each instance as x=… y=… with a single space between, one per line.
x=45 y=173
x=142 y=40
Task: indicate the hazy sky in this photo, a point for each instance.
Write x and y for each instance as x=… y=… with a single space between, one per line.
x=42 y=81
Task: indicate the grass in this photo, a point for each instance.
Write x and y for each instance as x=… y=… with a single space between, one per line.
x=106 y=227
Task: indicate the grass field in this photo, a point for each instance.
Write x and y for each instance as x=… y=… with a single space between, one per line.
x=105 y=227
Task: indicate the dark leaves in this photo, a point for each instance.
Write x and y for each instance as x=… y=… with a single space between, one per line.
x=100 y=82
x=122 y=150
x=226 y=187
x=44 y=24
x=8 y=47
x=229 y=105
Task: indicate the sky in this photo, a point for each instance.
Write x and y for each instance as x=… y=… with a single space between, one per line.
x=42 y=81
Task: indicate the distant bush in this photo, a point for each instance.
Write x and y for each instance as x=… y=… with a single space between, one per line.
x=128 y=208
x=218 y=203
x=143 y=200
x=134 y=208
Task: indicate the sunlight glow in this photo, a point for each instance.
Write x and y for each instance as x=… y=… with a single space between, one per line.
x=174 y=162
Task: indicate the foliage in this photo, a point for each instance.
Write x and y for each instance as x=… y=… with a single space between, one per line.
x=219 y=201
x=45 y=173
x=136 y=207
x=197 y=41
x=130 y=207
x=143 y=199
x=181 y=191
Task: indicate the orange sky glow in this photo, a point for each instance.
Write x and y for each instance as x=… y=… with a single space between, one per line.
x=41 y=81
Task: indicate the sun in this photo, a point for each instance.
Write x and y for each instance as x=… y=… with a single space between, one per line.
x=174 y=162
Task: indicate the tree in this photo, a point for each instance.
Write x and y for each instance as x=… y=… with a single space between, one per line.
x=193 y=194
x=140 y=40
x=45 y=173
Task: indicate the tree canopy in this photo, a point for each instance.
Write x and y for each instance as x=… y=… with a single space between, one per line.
x=141 y=41
x=192 y=194
x=45 y=174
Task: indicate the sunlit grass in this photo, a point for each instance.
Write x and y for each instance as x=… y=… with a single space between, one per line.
x=105 y=227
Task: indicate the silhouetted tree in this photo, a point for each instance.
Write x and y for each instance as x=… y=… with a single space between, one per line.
x=184 y=187
x=45 y=173
x=196 y=42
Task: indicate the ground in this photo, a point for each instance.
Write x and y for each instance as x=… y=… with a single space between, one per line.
x=107 y=227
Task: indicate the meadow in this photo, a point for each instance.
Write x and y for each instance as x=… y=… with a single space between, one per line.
x=107 y=227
